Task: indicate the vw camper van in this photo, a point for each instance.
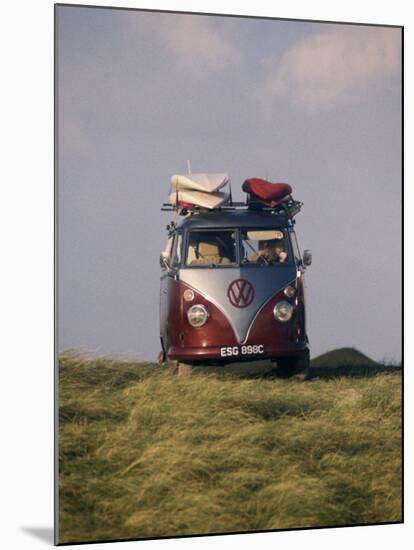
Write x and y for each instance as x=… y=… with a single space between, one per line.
x=232 y=283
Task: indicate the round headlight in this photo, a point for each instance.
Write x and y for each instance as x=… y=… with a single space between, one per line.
x=283 y=311
x=197 y=315
x=289 y=291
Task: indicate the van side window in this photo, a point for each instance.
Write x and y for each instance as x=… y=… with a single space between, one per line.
x=295 y=246
x=168 y=246
x=176 y=253
x=211 y=248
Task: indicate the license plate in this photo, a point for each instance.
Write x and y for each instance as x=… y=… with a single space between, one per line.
x=242 y=351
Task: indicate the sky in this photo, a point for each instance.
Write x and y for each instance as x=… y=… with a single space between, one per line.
x=316 y=105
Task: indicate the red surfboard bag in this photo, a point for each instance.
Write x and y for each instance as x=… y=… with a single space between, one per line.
x=266 y=192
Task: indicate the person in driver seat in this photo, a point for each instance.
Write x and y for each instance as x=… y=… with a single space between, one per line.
x=271 y=251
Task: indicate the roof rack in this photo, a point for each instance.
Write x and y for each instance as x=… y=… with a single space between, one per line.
x=289 y=207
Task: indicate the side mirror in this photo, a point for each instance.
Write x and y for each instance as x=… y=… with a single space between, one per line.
x=307 y=257
x=165 y=260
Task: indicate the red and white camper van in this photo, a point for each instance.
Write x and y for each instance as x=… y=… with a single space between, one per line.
x=232 y=281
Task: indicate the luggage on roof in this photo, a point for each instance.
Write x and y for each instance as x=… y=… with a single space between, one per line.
x=187 y=198
x=208 y=183
x=270 y=194
x=199 y=190
x=202 y=192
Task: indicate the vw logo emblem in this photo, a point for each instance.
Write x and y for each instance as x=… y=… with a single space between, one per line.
x=240 y=293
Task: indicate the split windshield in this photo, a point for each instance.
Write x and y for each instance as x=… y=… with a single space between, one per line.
x=256 y=247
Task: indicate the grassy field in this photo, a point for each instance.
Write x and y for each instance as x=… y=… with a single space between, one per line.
x=146 y=454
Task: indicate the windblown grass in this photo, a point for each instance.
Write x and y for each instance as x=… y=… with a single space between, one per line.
x=144 y=454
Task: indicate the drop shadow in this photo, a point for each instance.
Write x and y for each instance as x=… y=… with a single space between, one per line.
x=42 y=533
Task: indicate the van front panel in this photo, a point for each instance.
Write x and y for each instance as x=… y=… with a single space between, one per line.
x=239 y=292
x=216 y=340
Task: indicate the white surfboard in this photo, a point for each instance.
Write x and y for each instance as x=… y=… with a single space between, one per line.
x=198 y=198
x=208 y=183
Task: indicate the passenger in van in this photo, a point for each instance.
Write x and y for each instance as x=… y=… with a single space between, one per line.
x=208 y=253
x=280 y=251
x=271 y=251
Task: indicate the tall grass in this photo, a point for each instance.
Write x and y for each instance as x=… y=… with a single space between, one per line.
x=145 y=454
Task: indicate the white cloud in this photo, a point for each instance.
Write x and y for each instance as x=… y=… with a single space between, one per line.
x=335 y=67
x=197 y=43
